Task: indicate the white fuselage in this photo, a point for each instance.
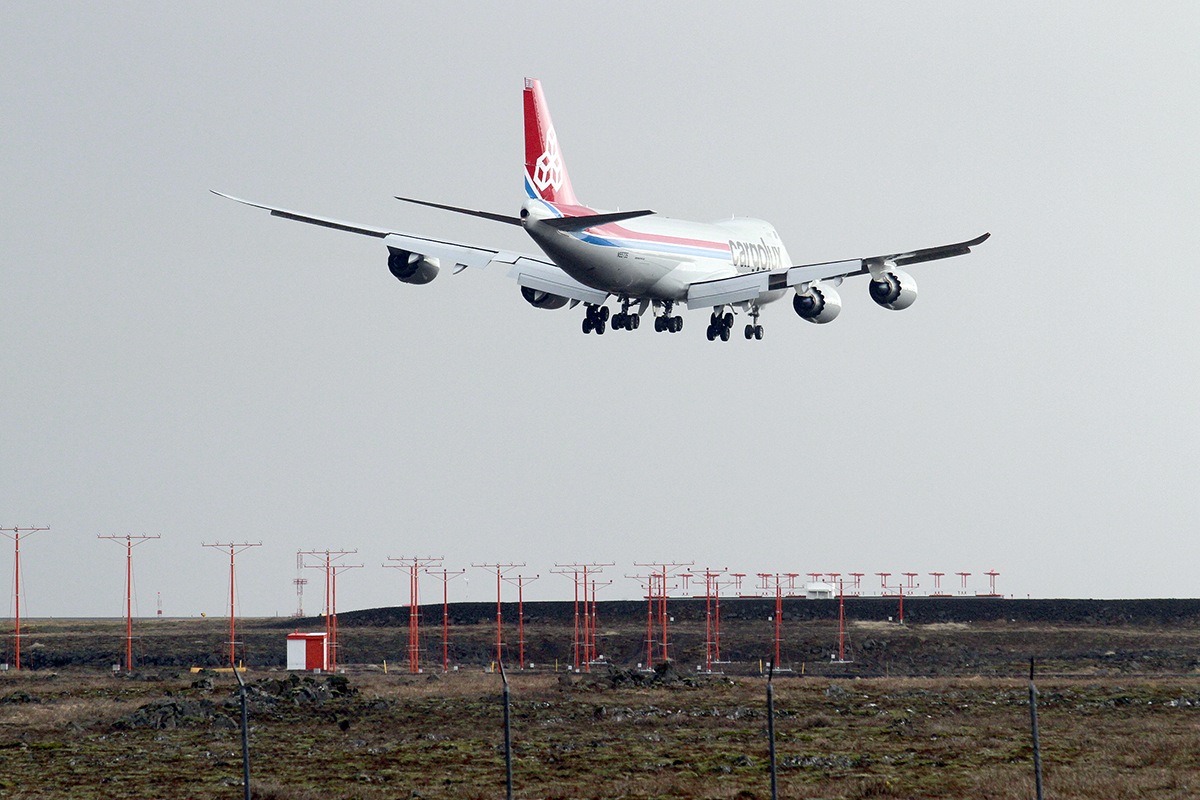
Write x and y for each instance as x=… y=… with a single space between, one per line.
x=654 y=257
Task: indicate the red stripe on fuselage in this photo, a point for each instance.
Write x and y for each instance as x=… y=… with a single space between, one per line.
x=615 y=230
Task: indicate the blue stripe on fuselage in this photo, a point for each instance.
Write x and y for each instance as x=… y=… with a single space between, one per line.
x=657 y=247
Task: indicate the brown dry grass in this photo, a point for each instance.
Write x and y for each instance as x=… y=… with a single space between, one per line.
x=441 y=738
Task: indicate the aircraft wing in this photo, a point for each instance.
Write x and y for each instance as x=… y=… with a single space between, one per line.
x=750 y=285
x=531 y=271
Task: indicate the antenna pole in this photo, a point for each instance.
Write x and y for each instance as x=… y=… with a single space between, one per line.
x=662 y=576
x=330 y=593
x=234 y=549
x=414 y=620
x=500 y=570
x=15 y=535
x=520 y=581
x=129 y=545
x=446 y=576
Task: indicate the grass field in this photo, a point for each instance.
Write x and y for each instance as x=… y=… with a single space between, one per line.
x=1119 y=712
x=83 y=734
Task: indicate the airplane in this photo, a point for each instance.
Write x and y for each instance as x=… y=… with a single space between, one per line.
x=641 y=260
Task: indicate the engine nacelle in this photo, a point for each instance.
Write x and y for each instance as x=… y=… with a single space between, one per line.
x=412 y=267
x=895 y=290
x=539 y=299
x=819 y=303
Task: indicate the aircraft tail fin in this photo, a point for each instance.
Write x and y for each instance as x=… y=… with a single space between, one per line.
x=545 y=172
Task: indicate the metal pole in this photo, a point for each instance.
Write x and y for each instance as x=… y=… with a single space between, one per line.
x=333 y=656
x=771 y=729
x=129 y=604
x=841 y=621
x=232 y=657
x=499 y=628
x=1037 y=748
x=245 y=736
x=778 y=617
x=586 y=638
x=16 y=537
x=329 y=652
x=662 y=609
x=17 y=579
x=507 y=738
x=521 y=620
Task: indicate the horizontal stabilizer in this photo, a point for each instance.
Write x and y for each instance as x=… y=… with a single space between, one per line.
x=485 y=214
x=592 y=220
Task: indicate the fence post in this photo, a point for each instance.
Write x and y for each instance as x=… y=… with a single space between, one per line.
x=1037 y=748
x=245 y=734
x=771 y=727
x=507 y=738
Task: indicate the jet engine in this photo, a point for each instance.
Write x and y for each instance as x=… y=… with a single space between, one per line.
x=539 y=299
x=412 y=267
x=818 y=303
x=895 y=290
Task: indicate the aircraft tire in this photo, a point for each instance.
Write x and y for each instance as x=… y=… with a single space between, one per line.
x=725 y=334
x=729 y=319
x=600 y=326
x=758 y=332
x=749 y=331
x=711 y=332
x=587 y=324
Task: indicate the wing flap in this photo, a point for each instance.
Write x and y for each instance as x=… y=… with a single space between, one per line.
x=546 y=277
x=733 y=289
x=449 y=253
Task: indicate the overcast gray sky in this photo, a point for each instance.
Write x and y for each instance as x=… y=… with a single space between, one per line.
x=180 y=365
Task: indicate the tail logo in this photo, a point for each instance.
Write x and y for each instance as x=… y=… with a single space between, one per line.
x=549 y=169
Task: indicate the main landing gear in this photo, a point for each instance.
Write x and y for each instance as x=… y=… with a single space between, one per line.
x=720 y=325
x=595 y=319
x=623 y=320
x=667 y=322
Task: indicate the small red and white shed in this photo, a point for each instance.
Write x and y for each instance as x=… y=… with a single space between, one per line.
x=308 y=651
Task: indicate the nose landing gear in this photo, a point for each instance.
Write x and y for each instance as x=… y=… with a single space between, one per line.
x=754 y=330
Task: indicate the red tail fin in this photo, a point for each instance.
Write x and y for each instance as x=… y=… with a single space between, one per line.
x=545 y=172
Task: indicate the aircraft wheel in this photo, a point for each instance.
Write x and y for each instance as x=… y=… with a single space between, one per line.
x=600 y=325
x=678 y=324
x=587 y=324
x=758 y=332
x=711 y=332
x=658 y=325
x=729 y=319
x=724 y=334
x=636 y=320
x=749 y=331
x=604 y=313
